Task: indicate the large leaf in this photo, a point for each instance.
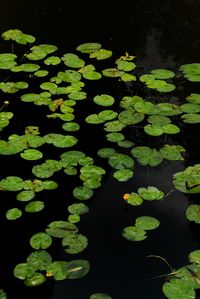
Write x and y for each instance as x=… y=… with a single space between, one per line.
x=150 y=193
x=147 y=222
x=40 y=241
x=61 y=229
x=188 y=180
x=178 y=289
x=74 y=243
x=133 y=233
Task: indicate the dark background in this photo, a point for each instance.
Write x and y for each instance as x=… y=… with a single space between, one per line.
x=161 y=34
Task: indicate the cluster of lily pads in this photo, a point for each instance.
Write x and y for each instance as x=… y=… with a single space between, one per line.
x=60 y=89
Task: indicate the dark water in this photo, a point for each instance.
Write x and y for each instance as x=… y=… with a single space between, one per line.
x=160 y=34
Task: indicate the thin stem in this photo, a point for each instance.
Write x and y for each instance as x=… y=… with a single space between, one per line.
x=169 y=192
x=162 y=258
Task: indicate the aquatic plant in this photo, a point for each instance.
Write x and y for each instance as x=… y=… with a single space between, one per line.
x=60 y=88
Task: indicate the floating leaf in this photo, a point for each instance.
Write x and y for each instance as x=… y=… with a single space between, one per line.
x=25 y=195
x=150 y=193
x=77 y=95
x=52 y=60
x=188 y=181
x=194 y=257
x=120 y=161
x=59 y=140
x=71 y=126
x=74 y=243
x=35 y=280
x=100 y=296
x=69 y=76
x=147 y=222
x=191 y=71
x=130 y=117
x=41 y=73
x=106 y=152
x=147 y=156
x=107 y=115
x=133 y=233
x=123 y=175
x=126 y=66
x=82 y=193
x=125 y=143
x=26 y=67
x=134 y=199
x=31 y=154
x=3 y=294
x=78 y=209
x=179 y=289
x=57 y=270
x=77 y=268
x=112 y=72
x=101 y=54
x=34 y=206
x=72 y=60
x=74 y=218
x=94 y=119
x=61 y=229
x=159 y=120
x=104 y=100
x=153 y=130
x=12 y=183
x=191 y=118
x=23 y=271
x=40 y=241
x=162 y=74
x=92 y=75
x=39 y=259
x=193 y=213
x=114 y=126
x=128 y=77
x=88 y=47
x=115 y=137
x=172 y=152
x=193 y=98
x=18 y=36
x=13 y=214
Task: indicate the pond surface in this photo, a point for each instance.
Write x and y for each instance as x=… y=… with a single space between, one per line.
x=162 y=34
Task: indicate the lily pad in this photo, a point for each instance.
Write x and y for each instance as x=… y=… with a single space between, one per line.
x=88 y=47
x=39 y=259
x=61 y=229
x=123 y=175
x=104 y=100
x=147 y=222
x=194 y=257
x=74 y=243
x=106 y=152
x=134 y=199
x=34 y=206
x=151 y=193
x=179 y=289
x=120 y=161
x=101 y=54
x=12 y=183
x=35 y=280
x=23 y=271
x=52 y=60
x=115 y=137
x=147 y=156
x=25 y=195
x=71 y=126
x=193 y=213
x=100 y=296
x=78 y=209
x=74 y=218
x=72 y=60
x=133 y=233
x=31 y=154
x=114 y=126
x=77 y=268
x=82 y=193
x=13 y=214
x=188 y=180
x=40 y=241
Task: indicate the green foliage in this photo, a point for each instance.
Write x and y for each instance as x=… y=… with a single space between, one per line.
x=74 y=243
x=100 y=296
x=193 y=213
x=13 y=214
x=147 y=222
x=3 y=294
x=188 y=180
x=40 y=241
x=132 y=233
x=191 y=71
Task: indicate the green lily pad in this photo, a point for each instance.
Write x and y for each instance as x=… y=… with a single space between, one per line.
x=101 y=54
x=88 y=47
x=74 y=218
x=31 y=154
x=94 y=119
x=18 y=36
x=26 y=67
x=13 y=214
x=35 y=280
x=92 y=75
x=72 y=60
x=150 y=193
x=112 y=72
x=71 y=126
x=162 y=74
x=106 y=152
x=57 y=270
x=121 y=161
x=59 y=140
x=3 y=294
x=77 y=269
x=191 y=118
x=134 y=199
x=39 y=259
x=179 y=289
x=159 y=120
x=133 y=233
x=194 y=257
x=147 y=222
x=191 y=71
x=125 y=143
x=61 y=229
x=147 y=156
x=25 y=195
x=153 y=130
x=114 y=126
x=77 y=95
x=78 y=209
x=115 y=137
x=172 y=152
x=74 y=243
x=188 y=180
x=193 y=213
x=34 y=206
x=126 y=66
x=193 y=98
x=40 y=241
x=69 y=76
x=107 y=115
x=12 y=183
x=100 y=296
x=52 y=60
x=82 y=193
x=104 y=100
x=123 y=175
x=128 y=77
x=130 y=117
x=190 y=108
x=41 y=73
x=23 y=271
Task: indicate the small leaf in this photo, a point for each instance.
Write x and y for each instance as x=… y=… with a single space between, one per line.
x=40 y=241
x=31 y=154
x=104 y=100
x=88 y=47
x=193 y=213
x=78 y=209
x=133 y=233
x=35 y=280
x=123 y=175
x=74 y=243
x=147 y=222
x=13 y=214
x=82 y=193
x=34 y=206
